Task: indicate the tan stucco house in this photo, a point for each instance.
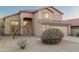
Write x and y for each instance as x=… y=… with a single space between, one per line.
x=35 y=22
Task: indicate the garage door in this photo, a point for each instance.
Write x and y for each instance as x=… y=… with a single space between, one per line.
x=62 y=28
x=75 y=31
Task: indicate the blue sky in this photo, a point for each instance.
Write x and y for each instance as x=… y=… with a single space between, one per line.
x=69 y=11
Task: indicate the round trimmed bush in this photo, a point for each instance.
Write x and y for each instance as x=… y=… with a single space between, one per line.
x=52 y=36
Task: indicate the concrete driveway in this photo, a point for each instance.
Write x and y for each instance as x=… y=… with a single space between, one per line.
x=7 y=44
x=72 y=38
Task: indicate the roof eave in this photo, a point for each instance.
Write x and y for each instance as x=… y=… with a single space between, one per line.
x=55 y=24
x=57 y=10
x=11 y=15
x=48 y=7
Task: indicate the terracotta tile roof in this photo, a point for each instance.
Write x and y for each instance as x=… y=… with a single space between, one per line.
x=73 y=22
x=54 y=22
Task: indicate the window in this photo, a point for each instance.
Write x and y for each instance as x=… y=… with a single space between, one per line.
x=14 y=25
x=45 y=15
x=25 y=22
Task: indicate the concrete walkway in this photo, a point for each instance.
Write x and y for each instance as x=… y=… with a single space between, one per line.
x=71 y=38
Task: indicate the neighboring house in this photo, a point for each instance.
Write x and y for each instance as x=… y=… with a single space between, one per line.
x=74 y=26
x=35 y=22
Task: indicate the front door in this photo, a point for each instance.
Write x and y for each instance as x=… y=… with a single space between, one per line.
x=27 y=26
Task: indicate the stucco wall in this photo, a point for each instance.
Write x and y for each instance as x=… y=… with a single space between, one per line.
x=56 y=15
x=26 y=14
x=7 y=29
x=37 y=25
x=40 y=14
x=38 y=28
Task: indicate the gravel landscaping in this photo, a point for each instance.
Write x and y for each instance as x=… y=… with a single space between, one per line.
x=7 y=44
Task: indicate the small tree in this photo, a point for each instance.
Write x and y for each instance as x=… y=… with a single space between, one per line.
x=1 y=26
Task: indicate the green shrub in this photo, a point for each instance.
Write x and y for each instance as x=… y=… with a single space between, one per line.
x=52 y=36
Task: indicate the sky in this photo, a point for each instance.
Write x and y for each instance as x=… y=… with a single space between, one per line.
x=69 y=11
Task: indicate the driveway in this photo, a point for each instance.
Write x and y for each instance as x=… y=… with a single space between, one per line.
x=7 y=44
x=71 y=38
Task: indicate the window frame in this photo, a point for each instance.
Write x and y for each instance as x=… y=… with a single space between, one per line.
x=44 y=16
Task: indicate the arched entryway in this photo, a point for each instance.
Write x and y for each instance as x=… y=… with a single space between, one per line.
x=27 y=26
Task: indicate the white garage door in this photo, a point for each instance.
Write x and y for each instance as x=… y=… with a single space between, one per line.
x=62 y=28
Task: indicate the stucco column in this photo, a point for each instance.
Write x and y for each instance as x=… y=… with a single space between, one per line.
x=69 y=30
x=7 y=29
x=21 y=25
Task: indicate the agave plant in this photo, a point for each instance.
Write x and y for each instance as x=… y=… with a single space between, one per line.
x=22 y=44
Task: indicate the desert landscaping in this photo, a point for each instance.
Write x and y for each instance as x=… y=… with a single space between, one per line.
x=7 y=44
x=38 y=31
